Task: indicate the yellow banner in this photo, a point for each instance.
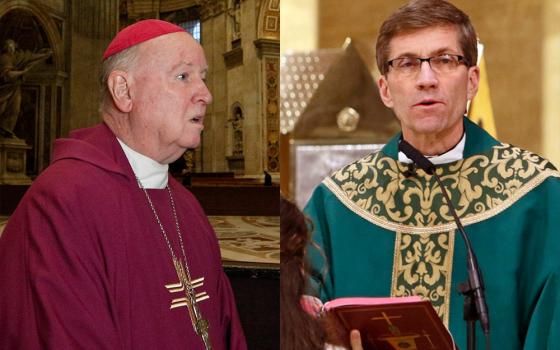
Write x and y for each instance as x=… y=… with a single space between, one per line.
x=480 y=109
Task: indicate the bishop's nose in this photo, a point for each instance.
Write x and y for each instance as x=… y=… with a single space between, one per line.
x=203 y=93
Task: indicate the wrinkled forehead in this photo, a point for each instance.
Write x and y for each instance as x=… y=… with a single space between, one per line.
x=170 y=49
x=425 y=42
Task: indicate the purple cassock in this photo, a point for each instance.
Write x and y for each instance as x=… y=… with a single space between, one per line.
x=84 y=265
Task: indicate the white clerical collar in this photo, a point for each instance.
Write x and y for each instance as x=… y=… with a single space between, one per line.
x=150 y=173
x=454 y=154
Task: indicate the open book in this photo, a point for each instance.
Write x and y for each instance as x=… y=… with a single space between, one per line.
x=390 y=323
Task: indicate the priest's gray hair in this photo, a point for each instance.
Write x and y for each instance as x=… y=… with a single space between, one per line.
x=123 y=60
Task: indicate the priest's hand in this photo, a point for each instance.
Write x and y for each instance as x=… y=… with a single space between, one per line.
x=356 y=340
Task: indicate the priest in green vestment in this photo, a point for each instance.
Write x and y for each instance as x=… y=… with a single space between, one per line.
x=382 y=226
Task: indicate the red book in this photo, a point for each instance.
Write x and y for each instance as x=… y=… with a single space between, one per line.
x=391 y=323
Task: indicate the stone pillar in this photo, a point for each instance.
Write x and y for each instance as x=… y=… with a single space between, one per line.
x=93 y=24
x=211 y=154
x=268 y=52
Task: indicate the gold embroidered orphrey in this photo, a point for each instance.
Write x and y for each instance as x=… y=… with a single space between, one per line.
x=480 y=186
x=422 y=266
x=200 y=325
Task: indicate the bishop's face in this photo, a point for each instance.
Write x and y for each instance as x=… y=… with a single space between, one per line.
x=169 y=95
x=429 y=103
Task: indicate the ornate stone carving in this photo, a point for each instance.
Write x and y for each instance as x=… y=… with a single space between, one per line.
x=14 y=65
x=272 y=65
x=13 y=153
x=236 y=161
x=237 y=128
x=38 y=32
x=211 y=8
x=234 y=13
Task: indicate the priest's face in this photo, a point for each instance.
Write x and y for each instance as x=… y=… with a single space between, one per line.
x=431 y=99
x=169 y=96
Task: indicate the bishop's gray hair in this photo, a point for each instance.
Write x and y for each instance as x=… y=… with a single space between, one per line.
x=123 y=60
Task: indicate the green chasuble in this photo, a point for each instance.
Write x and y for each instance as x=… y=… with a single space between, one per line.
x=382 y=234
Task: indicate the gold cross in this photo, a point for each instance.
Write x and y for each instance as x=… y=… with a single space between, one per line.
x=386 y=318
x=427 y=335
x=184 y=301
x=190 y=300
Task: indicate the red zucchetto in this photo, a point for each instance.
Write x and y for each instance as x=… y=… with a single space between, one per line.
x=139 y=32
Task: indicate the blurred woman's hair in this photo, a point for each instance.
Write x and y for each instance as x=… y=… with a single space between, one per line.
x=298 y=330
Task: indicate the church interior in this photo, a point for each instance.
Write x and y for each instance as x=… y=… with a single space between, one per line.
x=238 y=159
x=331 y=115
x=289 y=106
x=521 y=47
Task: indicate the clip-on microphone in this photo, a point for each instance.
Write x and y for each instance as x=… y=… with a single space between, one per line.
x=475 y=307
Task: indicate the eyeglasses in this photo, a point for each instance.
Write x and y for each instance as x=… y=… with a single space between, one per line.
x=441 y=64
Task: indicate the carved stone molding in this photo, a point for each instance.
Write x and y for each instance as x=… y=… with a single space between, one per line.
x=211 y=8
x=267 y=47
x=233 y=58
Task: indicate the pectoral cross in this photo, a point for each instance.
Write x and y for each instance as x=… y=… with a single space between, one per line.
x=190 y=300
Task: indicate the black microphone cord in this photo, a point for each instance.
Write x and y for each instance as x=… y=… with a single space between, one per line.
x=475 y=279
x=475 y=282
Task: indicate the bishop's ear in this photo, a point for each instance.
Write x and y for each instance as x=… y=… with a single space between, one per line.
x=118 y=86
